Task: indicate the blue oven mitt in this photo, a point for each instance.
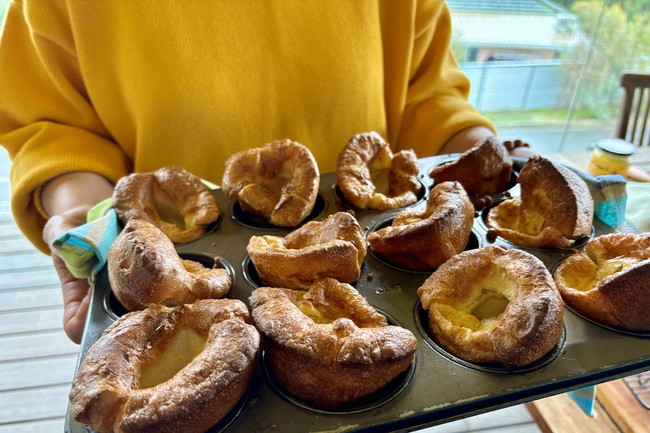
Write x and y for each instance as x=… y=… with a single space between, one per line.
x=84 y=249
x=610 y=197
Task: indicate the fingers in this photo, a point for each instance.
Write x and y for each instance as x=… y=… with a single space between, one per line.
x=58 y=224
x=513 y=144
x=519 y=148
x=76 y=292
x=76 y=299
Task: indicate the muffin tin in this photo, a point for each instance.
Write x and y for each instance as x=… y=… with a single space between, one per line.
x=437 y=387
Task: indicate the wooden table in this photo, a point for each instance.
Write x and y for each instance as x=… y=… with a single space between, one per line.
x=617 y=410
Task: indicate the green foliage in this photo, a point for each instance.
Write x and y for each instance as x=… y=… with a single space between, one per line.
x=620 y=42
x=632 y=7
x=539 y=117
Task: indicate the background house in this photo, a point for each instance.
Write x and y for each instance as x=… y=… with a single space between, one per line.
x=512 y=52
x=511 y=30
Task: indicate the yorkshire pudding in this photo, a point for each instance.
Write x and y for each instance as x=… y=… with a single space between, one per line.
x=483 y=169
x=328 y=346
x=278 y=181
x=424 y=238
x=494 y=306
x=333 y=248
x=555 y=207
x=144 y=269
x=167 y=370
x=371 y=177
x=170 y=198
x=610 y=284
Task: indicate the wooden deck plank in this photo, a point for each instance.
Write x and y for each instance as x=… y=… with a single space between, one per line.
x=34 y=404
x=49 y=296
x=42 y=319
x=43 y=426
x=11 y=245
x=40 y=372
x=9 y=228
x=514 y=415
x=26 y=280
x=37 y=345
x=26 y=262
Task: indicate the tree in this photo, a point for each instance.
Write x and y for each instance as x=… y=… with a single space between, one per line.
x=631 y=7
x=620 y=42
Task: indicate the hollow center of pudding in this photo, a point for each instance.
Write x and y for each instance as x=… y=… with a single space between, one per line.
x=488 y=299
x=379 y=168
x=310 y=310
x=532 y=222
x=181 y=350
x=167 y=209
x=275 y=180
x=489 y=305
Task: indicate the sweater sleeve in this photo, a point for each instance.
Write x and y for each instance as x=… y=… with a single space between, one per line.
x=47 y=122
x=434 y=105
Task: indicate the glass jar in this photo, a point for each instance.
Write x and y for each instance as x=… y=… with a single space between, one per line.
x=611 y=156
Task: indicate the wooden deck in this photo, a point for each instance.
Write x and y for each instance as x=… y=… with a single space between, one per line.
x=37 y=360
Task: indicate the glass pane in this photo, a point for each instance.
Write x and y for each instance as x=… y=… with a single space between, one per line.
x=548 y=72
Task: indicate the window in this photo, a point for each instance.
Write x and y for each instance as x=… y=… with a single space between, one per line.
x=547 y=72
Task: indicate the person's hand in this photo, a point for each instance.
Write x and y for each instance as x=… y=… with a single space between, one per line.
x=76 y=292
x=519 y=148
x=68 y=198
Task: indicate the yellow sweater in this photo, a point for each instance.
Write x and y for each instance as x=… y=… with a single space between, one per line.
x=114 y=86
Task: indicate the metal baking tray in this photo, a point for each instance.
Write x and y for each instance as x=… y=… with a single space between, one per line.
x=438 y=387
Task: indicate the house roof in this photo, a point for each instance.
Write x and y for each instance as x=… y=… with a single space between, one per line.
x=532 y=24
x=535 y=7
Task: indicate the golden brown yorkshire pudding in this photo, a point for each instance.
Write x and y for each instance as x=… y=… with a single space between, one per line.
x=424 y=238
x=167 y=370
x=170 y=198
x=278 y=181
x=144 y=269
x=483 y=169
x=328 y=346
x=610 y=284
x=555 y=207
x=333 y=248
x=494 y=306
x=371 y=177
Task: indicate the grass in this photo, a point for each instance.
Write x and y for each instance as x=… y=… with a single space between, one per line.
x=543 y=117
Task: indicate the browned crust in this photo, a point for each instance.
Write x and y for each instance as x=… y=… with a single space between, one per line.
x=423 y=239
x=329 y=364
x=483 y=169
x=133 y=198
x=614 y=245
x=621 y=300
x=555 y=207
x=354 y=180
x=334 y=247
x=529 y=327
x=559 y=194
x=278 y=181
x=144 y=268
x=105 y=392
